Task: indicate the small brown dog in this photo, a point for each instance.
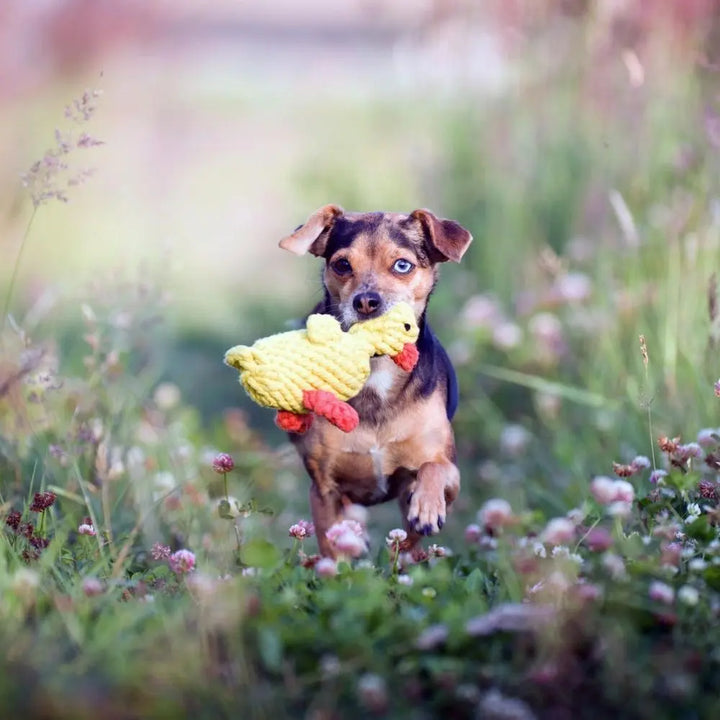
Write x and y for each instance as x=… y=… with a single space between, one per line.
x=404 y=446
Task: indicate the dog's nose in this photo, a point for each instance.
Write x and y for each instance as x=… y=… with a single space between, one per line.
x=367 y=303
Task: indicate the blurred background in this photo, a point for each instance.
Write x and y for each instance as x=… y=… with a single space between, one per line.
x=576 y=139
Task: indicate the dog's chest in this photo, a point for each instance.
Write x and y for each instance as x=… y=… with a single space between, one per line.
x=383 y=375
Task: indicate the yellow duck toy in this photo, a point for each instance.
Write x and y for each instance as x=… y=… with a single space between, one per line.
x=315 y=370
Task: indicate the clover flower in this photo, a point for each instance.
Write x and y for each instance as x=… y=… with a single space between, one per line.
x=495 y=514
x=86 y=529
x=223 y=463
x=559 y=531
x=395 y=537
x=301 y=530
x=182 y=562
x=326 y=567
x=661 y=592
x=42 y=501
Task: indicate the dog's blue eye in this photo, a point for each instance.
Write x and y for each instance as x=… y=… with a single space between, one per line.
x=403 y=266
x=341 y=266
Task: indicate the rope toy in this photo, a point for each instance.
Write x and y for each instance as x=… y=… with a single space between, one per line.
x=317 y=369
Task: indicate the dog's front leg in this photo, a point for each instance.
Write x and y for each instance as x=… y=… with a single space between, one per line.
x=436 y=486
x=326 y=511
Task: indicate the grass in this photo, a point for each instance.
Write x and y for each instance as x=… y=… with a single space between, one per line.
x=580 y=572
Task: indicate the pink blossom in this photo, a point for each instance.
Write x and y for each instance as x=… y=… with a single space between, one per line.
x=348 y=543
x=599 y=539
x=603 y=489
x=624 y=491
x=92 y=586
x=339 y=528
x=182 y=562
x=326 y=567
x=160 y=552
x=301 y=530
x=496 y=513
x=86 y=529
x=473 y=533
x=661 y=592
x=223 y=463
x=559 y=531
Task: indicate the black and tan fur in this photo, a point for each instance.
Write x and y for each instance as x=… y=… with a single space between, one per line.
x=404 y=446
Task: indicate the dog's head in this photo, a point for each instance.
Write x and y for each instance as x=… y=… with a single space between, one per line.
x=374 y=260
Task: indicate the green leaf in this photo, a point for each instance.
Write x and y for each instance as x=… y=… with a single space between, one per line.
x=260 y=553
x=475 y=582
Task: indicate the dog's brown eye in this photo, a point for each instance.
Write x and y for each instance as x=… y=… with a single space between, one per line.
x=341 y=266
x=402 y=266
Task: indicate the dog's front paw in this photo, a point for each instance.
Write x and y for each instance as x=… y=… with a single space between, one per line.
x=426 y=511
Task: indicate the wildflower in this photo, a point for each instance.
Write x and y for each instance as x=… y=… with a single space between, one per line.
x=576 y=515
x=615 y=565
x=42 y=501
x=539 y=550
x=395 y=537
x=431 y=637
x=707 y=489
x=404 y=579
x=86 y=529
x=249 y=572
x=657 y=476
x=223 y=463
x=326 y=567
x=496 y=705
x=697 y=565
x=598 y=539
x=301 y=530
x=514 y=440
x=439 y=551
x=717 y=389
x=624 y=470
x=603 y=489
x=641 y=462
x=160 y=552
x=13 y=520
x=708 y=437
x=482 y=312
x=661 y=592
x=559 y=531
x=694 y=512
x=92 y=586
x=473 y=533
x=507 y=335
x=39 y=543
x=688 y=595
x=668 y=445
x=619 y=509
x=495 y=514
x=624 y=491
x=336 y=530
x=372 y=692
x=356 y=512
x=182 y=562
x=348 y=543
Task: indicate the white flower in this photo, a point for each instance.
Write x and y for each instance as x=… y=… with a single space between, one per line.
x=404 y=579
x=619 y=509
x=694 y=512
x=615 y=565
x=539 y=550
x=688 y=595
x=624 y=491
x=395 y=537
x=641 y=461
x=697 y=565
x=495 y=513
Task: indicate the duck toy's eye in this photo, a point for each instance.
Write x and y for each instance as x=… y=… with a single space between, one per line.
x=402 y=266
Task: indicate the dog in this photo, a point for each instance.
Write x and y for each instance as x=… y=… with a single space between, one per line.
x=404 y=447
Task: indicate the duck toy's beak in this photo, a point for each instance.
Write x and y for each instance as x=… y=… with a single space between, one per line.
x=407 y=358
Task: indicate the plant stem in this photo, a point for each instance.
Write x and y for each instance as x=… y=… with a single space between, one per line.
x=16 y=267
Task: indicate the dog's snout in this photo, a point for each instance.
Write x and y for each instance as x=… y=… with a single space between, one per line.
x=367 y=303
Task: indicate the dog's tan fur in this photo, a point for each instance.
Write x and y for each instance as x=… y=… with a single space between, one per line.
x=404 y=446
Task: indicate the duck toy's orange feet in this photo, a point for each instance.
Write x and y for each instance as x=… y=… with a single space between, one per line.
x=339 y=413
x=293 y=422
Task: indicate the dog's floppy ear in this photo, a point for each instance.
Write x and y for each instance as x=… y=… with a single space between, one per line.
x=446 y=239
x=311 y=237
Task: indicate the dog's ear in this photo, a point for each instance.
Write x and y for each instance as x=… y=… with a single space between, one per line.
x=311 y=237
x=445 y=238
